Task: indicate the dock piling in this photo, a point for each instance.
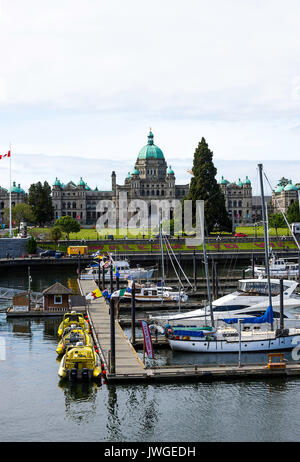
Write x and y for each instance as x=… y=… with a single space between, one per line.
x=112 y=363
x=133 y=313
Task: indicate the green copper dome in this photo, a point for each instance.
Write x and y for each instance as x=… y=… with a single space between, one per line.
x=279 y=189
x=81 y=182
x=290 y=187
x=247 y=181
x=170 y=171
x=150 y=151
x=17 y=189
x=223 y=181
x=87 y=187
x=56 y=182
x=128 y=176
x=135 y=171
x=239 y=183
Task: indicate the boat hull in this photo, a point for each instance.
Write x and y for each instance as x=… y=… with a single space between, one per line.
x=225 y=346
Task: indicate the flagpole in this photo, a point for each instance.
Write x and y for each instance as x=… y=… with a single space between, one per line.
x=10 y=227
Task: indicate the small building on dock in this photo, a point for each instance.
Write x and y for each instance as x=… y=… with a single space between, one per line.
x=21 y=302
x=56 y=298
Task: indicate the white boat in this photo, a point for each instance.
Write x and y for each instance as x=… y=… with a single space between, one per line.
x=124 y=270
x=153 y=293
x=251 y=299
x=279 y=267
x=227 y=340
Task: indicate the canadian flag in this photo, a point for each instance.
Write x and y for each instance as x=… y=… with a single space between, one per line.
x=5 y=155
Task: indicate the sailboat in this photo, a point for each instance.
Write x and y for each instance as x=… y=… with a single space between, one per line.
x=194 y=338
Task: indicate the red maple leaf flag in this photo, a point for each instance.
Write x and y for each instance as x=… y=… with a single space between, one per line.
x=5 y=155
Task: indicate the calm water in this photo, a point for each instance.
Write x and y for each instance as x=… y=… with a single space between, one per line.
x=35 y=406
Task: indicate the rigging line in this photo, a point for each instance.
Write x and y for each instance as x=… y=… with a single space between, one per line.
x=173 y=263
x=281 y=209
x=172 y=251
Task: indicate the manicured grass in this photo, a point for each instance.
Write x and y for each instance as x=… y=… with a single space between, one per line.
x=90 y=234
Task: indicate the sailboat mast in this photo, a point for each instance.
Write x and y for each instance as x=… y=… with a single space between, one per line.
x=263 y=205
x=162 y=259
x=206 y=268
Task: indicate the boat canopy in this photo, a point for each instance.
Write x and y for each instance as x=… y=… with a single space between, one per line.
x=267 y=317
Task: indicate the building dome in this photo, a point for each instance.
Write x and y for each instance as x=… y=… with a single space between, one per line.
x=223 y=181
x=170 y=171
x=279 y=189
x=247 y=181
x=128 y=176
x=135 y=171
x=87 y=187
x=239 y=183
x=290 y=187
x=150 y=151
x=17 y=189
x=81 y=182
x=56 y=182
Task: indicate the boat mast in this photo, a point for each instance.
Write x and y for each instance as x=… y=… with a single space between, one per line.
x=206 y=265
x=263 y=205
x=162 y=259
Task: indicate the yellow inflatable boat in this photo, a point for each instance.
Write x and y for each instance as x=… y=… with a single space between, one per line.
x=80 y=363
x=73 y=318
x=71 y=336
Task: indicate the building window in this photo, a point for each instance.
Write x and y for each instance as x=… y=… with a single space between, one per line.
x=57 y=299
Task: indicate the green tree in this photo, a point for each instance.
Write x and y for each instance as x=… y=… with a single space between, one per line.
x=276 y=221
x=55 y=234
x=39 y=197
x=20 y=212
x=204 y=186
x=293 y=214
x=68 y=225
x=31 y=246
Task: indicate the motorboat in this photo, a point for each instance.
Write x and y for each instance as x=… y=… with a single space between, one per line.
x=121 y=267
x=155 y=293
x=80 y=362
x=279 y=267
x=71 y=336
x=73 y=318
x=250 y=299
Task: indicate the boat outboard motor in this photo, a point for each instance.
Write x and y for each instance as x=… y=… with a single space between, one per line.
x=73 y=374
x=85 y=374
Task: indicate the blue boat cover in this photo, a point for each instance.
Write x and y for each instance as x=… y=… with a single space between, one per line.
x=189 y=333
x=267 y=317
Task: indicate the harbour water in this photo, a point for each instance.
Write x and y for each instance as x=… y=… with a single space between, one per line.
x=35 y=406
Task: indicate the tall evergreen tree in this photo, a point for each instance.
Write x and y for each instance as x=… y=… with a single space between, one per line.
x=204 y=186
x=39 y=197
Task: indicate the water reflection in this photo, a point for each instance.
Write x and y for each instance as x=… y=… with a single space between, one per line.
x=80 y=400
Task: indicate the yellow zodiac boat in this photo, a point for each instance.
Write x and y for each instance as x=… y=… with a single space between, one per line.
x=71 y=336
x=80 y=363
x=73 y=318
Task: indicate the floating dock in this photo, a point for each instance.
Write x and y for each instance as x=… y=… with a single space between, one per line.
x=129 y=368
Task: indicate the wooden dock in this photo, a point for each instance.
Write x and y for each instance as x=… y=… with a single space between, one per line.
x=128 y=363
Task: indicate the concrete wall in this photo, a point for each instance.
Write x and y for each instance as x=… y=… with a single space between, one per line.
x=16 y=247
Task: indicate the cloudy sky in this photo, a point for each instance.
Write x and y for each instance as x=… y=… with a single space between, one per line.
x=82 y=82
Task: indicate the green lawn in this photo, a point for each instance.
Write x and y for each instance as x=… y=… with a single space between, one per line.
x=90 y=234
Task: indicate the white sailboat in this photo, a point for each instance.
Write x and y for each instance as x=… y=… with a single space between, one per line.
x=279 y=267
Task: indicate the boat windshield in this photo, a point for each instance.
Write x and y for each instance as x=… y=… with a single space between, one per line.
x=259 y=288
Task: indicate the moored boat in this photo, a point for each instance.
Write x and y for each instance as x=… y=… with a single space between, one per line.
x=73 y=318
x=71 y=336
x=80 y=363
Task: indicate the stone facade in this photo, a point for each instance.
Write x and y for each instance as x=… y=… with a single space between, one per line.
x=150 y=179
x=18 y=196
x=284 y=196
x=238 y=200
